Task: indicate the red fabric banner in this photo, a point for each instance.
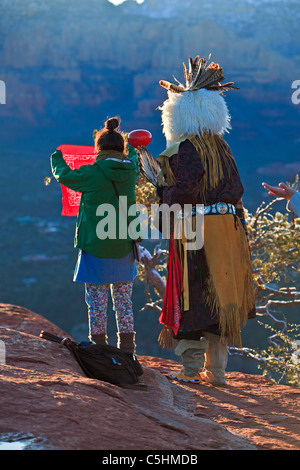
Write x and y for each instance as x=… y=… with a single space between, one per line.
x=75 y=156
x=171 y=312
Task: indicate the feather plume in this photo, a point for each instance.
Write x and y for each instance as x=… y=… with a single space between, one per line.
x=207 y=79
x=185 y=73
x=149 y=166
x=199 y=75
x=171 y=86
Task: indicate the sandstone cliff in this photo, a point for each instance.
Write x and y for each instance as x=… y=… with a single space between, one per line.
x=62 y=60
x=46 y=400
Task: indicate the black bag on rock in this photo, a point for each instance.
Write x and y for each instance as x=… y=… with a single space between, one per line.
x=103 y=362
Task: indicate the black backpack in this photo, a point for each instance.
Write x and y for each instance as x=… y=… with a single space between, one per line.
x=103 y=362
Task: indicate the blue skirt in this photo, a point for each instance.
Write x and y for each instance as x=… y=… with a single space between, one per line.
x=104 y=271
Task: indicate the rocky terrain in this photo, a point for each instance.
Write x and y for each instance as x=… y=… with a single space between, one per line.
x=47 y=403
x=67 y=65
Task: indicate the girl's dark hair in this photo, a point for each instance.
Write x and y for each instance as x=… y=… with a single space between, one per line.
x=108 y=138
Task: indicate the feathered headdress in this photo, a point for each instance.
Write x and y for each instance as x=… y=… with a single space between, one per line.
x=202 y=109
x=199 y=76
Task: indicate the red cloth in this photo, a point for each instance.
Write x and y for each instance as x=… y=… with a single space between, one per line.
x=171 y=313
x=75 y=156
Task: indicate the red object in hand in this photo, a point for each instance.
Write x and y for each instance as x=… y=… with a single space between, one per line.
x=139 y=138
x=75 y=156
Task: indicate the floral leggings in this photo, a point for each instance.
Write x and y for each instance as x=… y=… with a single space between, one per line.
x=96 y=297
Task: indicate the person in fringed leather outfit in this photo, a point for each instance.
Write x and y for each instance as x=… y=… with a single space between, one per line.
x=211 y=289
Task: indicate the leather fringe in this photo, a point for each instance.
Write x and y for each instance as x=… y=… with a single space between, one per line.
x=232 y=318
x=166 y=337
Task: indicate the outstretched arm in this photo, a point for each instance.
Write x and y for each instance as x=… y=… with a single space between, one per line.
x=291 y=195
x=78 y=180
x=281 y=191
x=294 y=204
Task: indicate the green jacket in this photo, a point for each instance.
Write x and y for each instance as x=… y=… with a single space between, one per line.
x=95 y=184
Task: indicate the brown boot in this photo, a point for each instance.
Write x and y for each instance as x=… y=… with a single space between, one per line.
x=126 y=342
x=216 y=358
x=192 y=355
x=100 y=338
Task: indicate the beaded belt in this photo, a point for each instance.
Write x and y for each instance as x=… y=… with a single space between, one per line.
x=218 y=208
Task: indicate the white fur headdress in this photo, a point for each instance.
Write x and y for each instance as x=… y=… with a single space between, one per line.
x=198 y=106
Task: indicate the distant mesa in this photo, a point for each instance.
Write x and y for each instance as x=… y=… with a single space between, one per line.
x=279 y=169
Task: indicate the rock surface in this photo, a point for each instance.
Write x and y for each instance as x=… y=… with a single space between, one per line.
x=45 y=395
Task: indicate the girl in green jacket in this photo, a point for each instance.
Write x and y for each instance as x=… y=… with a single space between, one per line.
x=105 y=259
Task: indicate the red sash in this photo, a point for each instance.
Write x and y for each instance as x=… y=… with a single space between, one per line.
x=171 y=312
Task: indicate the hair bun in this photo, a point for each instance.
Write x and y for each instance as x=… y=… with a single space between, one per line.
x=112 y=124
